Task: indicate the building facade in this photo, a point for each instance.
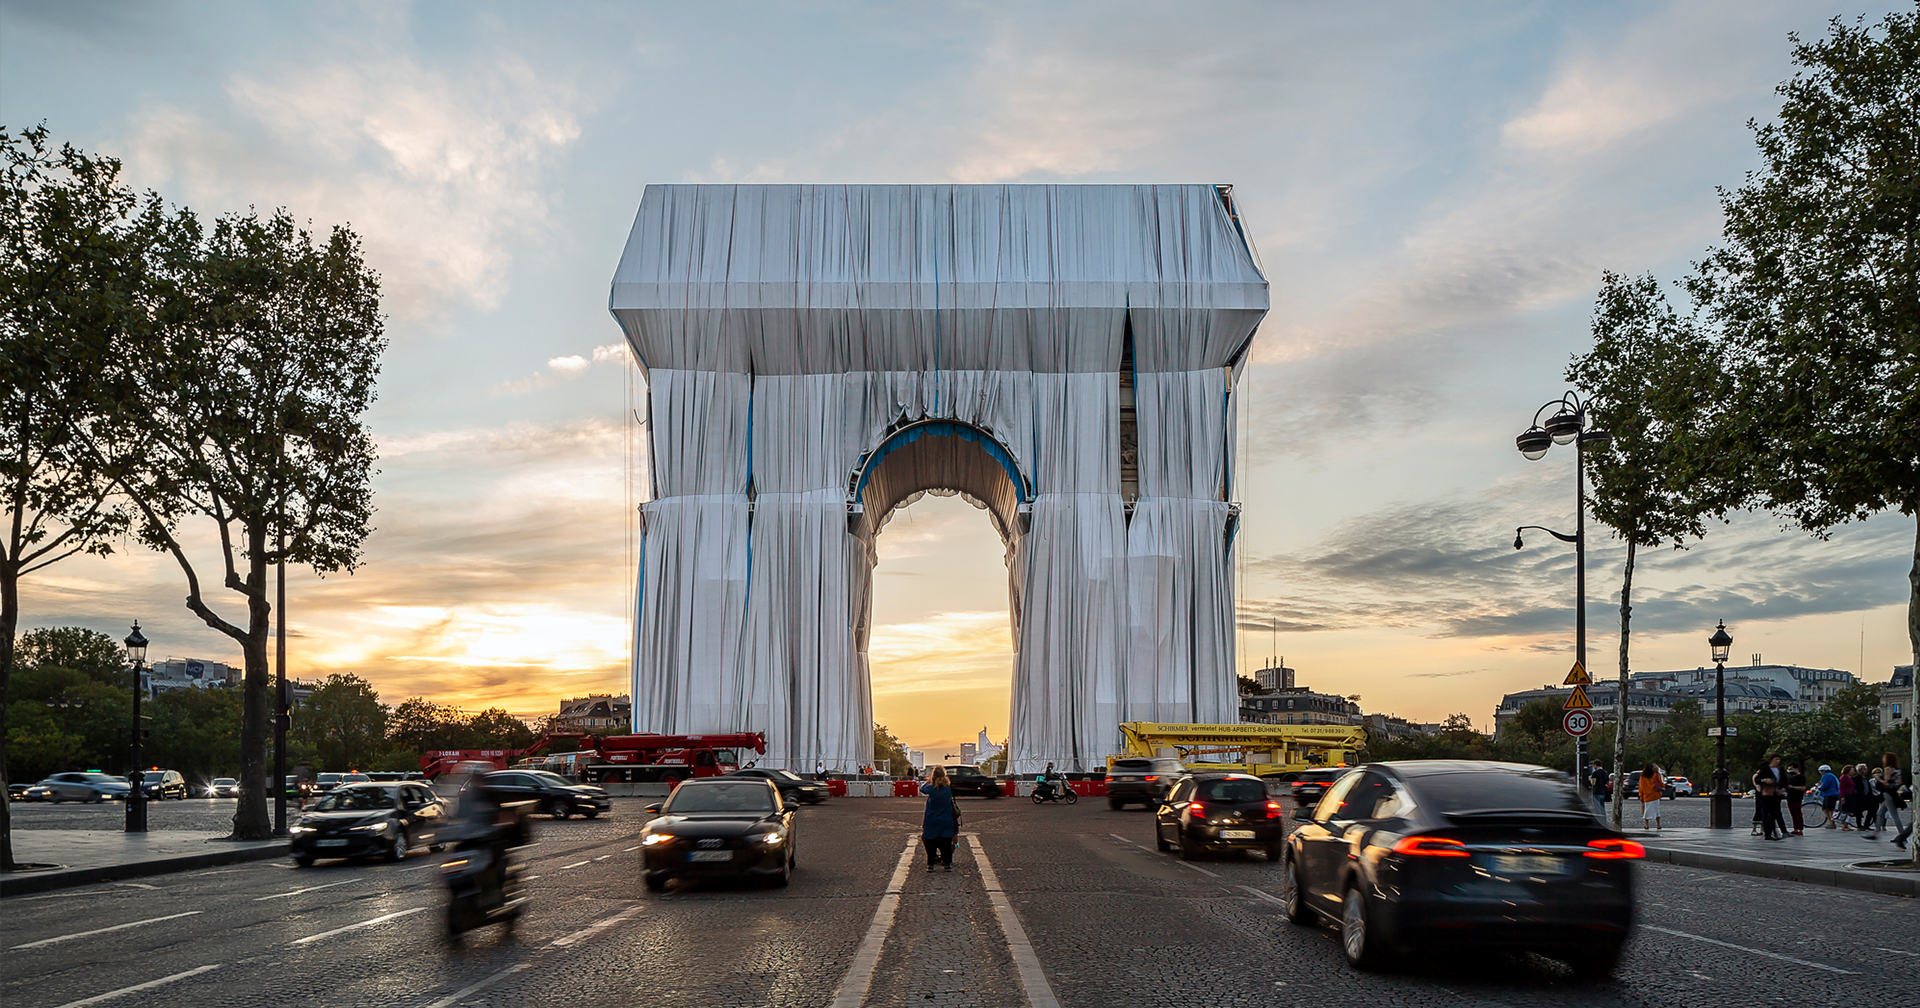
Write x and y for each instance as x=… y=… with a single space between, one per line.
x=599 y=713
x=1896 y=699
x=1298 y=705
x=1651 y=695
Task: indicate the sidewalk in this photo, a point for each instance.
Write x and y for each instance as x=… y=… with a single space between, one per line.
x=1822 y=857
x=83 y=857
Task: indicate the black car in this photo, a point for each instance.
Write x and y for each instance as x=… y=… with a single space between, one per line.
x=720 y=827
x=359 y=820
x=1407 y=856
x=1309 y=786
x=969 y=780
x=793 y=787
x=1219 y=811
x=550 y=793
x=1139 y=780
x=162 y=784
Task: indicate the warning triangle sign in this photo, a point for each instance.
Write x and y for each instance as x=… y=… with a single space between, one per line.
x=1578 y=701
x=1577 y=677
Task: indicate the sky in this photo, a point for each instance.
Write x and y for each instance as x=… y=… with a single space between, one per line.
x=1433 y=191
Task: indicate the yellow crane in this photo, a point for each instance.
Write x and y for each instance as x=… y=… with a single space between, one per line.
x=1263 y=749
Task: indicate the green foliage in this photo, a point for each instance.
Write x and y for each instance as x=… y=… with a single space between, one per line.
x=419 y=724
x=195 y=731
x=494 y=728
x=889 y=756
x=88 y=652
x=344 y=721
x=1249 y=686
x=61 y=719
x=1537 y=721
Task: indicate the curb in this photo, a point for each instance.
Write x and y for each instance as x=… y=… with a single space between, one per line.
x=22 y=883
x=1840 y=878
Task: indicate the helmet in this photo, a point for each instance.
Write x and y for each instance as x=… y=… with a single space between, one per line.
x=1825 y=768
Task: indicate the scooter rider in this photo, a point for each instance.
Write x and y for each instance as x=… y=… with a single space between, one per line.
x=1045 y=783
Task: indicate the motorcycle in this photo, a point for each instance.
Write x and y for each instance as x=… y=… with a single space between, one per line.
x=483 y=882
x=1052 y=791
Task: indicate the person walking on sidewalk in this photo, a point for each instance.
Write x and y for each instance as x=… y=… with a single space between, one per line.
x=1769 y=783
x=1869 y=797
x=1849 y=799
x=1829 y=794
x=1886 y=782
x=1650 y=788
x=1796 y=793
x=941 y=821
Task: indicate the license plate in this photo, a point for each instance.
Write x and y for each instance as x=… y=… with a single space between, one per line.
x=1528 y=864
x=1236 y=834
x=330 y=843
x=710 y=855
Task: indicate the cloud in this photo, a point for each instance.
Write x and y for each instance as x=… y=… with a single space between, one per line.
x=440 y=168
x=564 y=369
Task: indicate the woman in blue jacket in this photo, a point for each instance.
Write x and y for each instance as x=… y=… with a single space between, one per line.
x=1829 y=793
x=941 y=822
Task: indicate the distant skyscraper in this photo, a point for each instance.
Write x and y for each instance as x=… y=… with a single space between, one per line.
x=917 y=757
x=966 y=752
x=984 y=748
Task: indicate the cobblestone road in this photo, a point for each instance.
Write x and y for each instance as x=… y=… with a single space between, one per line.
x=1084 y=912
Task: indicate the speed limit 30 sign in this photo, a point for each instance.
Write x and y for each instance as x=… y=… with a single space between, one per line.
x=1577 y=723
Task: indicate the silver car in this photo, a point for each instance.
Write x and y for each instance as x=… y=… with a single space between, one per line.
x=85 y=786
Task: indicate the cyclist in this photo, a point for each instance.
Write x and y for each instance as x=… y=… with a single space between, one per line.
x=1829 y=793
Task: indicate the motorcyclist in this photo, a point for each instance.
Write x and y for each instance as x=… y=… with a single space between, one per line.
x=1044 y=785
x=481 y=823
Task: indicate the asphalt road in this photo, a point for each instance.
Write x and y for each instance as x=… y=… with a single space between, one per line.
x=1084 y=912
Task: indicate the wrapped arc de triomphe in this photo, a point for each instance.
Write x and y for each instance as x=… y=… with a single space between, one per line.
x=1065 y=356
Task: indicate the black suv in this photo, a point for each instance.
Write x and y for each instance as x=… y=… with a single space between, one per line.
x=968 y=780
x=1140 y=780
x=1309 y=785
x=793 y=787
x=159 y=784
x=551 y=793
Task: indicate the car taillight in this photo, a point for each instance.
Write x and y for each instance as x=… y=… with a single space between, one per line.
x=1614 y=849
x=1151 y=777
x=1199 y=811
x=1431 y=846
x=1273 y=810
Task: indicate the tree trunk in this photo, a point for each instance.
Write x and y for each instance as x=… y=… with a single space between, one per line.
x=9 y=623
x=252 y=820
x=1620 y=705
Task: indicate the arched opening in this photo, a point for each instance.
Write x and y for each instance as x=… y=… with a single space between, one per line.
x=942 y=665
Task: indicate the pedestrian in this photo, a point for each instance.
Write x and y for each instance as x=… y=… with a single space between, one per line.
x=1869 y=798
x=940 y=823
x=1769 y=783
x=1597 y=785
x=1773 y=771
x=1829 y=794
x=1849 y=799
x=1650 y=789
x=1796 y=793
x=1886 y=781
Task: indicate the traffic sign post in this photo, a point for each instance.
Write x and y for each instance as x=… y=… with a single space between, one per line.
x=1577 y=723
x=1578 y=701
x=1577 y=677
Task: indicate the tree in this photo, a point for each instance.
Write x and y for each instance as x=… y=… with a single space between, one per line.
x=1647 y=379
x=248 y=402
x=1537 y=721
x=494 y=728
x=889 y=755
x=86 y=651
x=419 y=724
x=1250 y=686
x=345 y=722
x=70 y=278
x=1816 y=290
x=196 y=731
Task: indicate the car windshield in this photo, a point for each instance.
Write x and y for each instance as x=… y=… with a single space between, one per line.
x=964 y=771
x=229 y=780
x=1133 y=765
x=550 y=778
x=100 y=778
x=329 y=778
x=1233 y=791
x=743 y=797
x=1492 y=793
x=359 y=799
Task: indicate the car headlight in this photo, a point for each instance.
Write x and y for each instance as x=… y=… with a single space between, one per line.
x=655 y=839
x=772 y=838
x=370 y=827
x=297 y=830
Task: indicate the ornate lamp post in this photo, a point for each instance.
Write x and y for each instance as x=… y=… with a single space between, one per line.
x=1569 y=424
x=1720 y=806
x=137 y=795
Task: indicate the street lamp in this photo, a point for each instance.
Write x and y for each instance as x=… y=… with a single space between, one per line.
x=1570 y=424
x=1720 y=806
x=137 y=794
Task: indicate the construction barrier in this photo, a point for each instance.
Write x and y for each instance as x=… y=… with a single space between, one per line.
x=837 y=788
x=1090 y=788
x=906 y=789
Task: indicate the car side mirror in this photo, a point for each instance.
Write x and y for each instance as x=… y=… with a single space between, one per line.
x=655 y=807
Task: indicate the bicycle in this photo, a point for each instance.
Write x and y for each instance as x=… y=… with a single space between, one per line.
x=1814 y=813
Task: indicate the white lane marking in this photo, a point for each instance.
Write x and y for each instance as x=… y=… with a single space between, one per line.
x=576 y=864
x=592 y=929
x=1269 y=897
x=104 y=930
x=1033 y=980
x=630 y=850
x=1182 y=864
x=110 y=995
x=603 y=857
x=296 y=892
x=1743 y=948
x=356 y=927
x=852 y=992
x=457 y=996
x=136 y=885
x=528 y=878
x=1898 y=951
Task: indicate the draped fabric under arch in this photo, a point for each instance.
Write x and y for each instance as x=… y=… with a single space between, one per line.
x=1065 y=356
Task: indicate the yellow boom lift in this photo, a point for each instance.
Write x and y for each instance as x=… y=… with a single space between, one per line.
x=1263 y=749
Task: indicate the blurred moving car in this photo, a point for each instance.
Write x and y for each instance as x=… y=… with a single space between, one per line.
x=1138 y=780
x=1678 y=787
x=85 y=786
x=326 y=782
x=162 y=784
x=793 y=787
x=1406 y=856
x=17 y=791
x=720 y=827
x=223 y=787
x=369 y=819
x=550 y=793
x=1219 y=811
x=1310 y=785
x=354 y=777
x=968 y=779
